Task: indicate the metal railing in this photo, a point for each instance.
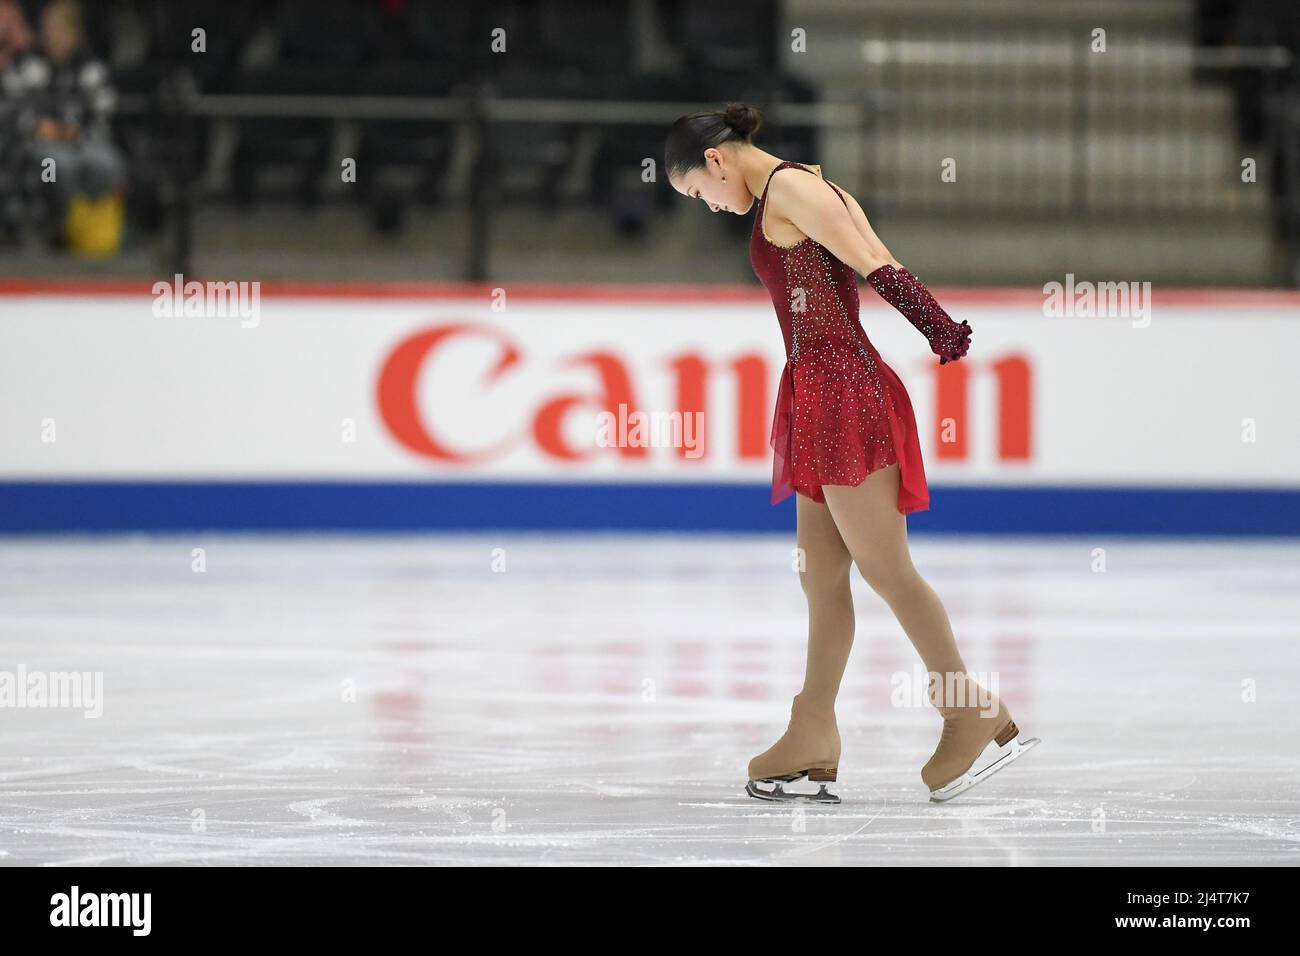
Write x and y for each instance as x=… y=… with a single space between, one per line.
x=1054 y=129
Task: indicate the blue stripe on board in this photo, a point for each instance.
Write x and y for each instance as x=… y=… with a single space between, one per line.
x=34 y=507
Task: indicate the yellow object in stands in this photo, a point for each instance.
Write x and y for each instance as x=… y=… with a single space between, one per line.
x=94 y=226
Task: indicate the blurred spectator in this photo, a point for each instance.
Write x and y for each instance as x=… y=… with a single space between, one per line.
x=15 y=37
x=15 y=40
x=67 y=99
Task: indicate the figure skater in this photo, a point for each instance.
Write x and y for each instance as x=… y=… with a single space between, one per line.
x=845 y=440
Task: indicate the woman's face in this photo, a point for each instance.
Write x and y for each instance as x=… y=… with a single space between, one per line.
x=705 y=183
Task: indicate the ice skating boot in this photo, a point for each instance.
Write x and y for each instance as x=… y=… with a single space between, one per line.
x=810 y=747
x=972 y=717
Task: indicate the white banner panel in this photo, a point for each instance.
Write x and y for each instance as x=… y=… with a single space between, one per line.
x=449 y=388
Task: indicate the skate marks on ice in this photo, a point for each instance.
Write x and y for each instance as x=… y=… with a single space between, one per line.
x=387 y=701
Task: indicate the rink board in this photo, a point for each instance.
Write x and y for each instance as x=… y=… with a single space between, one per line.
x=463 y=407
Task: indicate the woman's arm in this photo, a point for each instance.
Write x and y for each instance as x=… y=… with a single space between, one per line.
x=804 y=201
x=821 y=215
x=864 y=227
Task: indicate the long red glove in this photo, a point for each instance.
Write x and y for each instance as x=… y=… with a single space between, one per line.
x=948 y=339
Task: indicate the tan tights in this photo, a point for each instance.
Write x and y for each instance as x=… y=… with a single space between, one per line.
x=862 y=526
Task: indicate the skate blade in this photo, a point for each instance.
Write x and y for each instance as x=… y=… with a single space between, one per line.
x=1013 y=751
x=779 y=794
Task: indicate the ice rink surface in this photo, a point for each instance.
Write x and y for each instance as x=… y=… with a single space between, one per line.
x=507 y=698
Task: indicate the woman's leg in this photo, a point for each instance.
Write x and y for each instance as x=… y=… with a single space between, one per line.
x=811 y=742
x=875 y=534
x=825 y=581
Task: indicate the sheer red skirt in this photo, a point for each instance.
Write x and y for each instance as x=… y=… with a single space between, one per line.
x=828 y=431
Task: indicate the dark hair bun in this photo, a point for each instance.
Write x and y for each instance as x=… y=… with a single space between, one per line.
x=743 y=119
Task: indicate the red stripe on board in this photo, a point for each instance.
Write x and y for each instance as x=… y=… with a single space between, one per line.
x=615 y=292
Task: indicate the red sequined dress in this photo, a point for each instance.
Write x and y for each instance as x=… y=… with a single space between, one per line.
x=841 y=412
